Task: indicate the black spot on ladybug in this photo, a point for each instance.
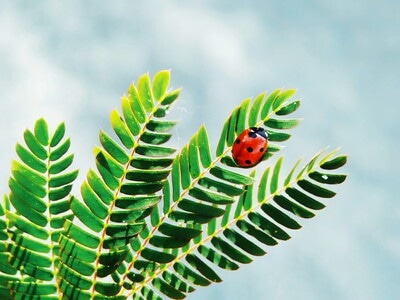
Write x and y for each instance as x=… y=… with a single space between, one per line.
x=249 y=149
x=248 y=162
x=237 y=141
x=261 y=149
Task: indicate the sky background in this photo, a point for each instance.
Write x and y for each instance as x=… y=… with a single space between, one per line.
x=73 y=61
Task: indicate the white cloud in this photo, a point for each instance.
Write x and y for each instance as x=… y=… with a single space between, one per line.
x=32 y=87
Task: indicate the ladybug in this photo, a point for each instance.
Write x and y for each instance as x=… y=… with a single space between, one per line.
x=250 y=147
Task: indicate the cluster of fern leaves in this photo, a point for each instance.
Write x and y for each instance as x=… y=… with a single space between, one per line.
x=151 y=222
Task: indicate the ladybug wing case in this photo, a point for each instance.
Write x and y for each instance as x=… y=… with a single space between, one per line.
x=249 y=147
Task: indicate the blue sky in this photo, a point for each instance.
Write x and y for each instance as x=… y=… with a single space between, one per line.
x=73 y=62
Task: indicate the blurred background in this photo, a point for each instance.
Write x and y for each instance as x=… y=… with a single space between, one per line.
x=73 y=61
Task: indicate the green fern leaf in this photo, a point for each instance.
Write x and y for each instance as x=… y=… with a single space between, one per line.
x=131 y=173
x=160 y=84
x=40 y=182
x=191 y=191
x=42 y=132
x=203 y=190
x=217 y=258
x=239 y=238
x=289 y=108
x=255 y=110
x=8 y=273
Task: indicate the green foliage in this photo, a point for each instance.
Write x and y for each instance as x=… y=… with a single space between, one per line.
x=151 y=222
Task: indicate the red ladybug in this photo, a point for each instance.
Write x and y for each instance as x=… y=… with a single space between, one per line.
x=250 y=146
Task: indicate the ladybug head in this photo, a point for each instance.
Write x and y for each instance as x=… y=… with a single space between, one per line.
x=258 y=130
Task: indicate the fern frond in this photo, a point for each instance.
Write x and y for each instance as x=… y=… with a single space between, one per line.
x=39 y=189
x=201 y=190
x=249 y=226
x=7 y=272
x=131 y=172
